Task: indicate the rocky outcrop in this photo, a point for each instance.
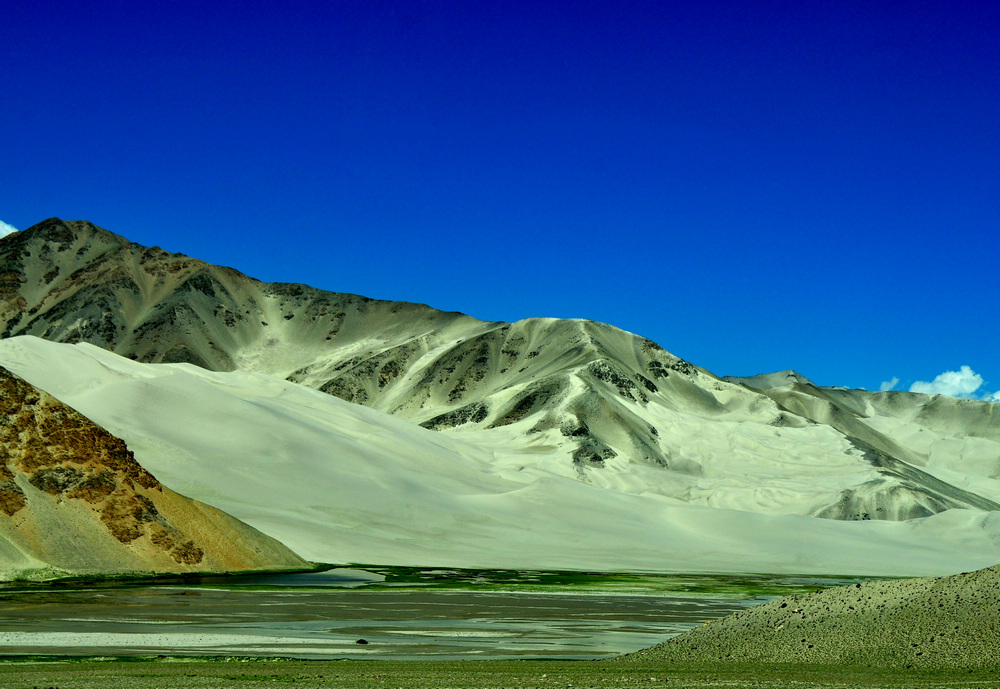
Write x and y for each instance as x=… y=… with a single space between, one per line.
x=73 y=501
x=71 y=281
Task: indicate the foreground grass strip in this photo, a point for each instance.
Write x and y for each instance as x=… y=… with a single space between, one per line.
x=228 y=673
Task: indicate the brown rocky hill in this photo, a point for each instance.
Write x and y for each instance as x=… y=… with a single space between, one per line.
x=71 y=281
x=74 y=501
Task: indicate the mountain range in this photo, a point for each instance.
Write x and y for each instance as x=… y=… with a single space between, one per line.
x=427 y=437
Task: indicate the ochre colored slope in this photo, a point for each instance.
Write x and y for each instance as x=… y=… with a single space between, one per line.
x=73 y=500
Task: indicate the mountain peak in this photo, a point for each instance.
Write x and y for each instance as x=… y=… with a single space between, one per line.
x=65 y=231
x=770 y=381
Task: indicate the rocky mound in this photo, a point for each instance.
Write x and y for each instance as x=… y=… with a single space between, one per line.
x=945 y=622
x=74 y=501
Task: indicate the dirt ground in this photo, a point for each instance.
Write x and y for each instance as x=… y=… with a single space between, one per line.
x=247 y=674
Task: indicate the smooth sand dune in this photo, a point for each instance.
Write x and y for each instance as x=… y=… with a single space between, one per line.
x=338 y=482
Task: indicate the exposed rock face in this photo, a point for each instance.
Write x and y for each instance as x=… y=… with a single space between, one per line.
x=75 y=501
x=946 y=622
x=75 y=282
x=596 y=401
x=912 y=440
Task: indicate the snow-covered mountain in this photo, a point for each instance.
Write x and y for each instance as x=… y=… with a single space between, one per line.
x=608 y=451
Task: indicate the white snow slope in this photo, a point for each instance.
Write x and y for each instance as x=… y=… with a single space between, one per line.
x=341 y=483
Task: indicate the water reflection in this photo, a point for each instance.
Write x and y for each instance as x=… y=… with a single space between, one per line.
x=328 y=620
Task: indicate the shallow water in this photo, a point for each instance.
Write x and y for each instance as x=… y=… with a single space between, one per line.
x=271 y=617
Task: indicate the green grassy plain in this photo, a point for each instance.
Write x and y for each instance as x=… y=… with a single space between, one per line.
x=169 y=673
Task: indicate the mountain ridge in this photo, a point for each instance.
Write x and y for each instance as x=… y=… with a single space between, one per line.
x=584 y=400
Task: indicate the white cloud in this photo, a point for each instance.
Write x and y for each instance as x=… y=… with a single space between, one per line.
x=992 y=397
x=6 y=229
x=961 y=383
x=889 y=384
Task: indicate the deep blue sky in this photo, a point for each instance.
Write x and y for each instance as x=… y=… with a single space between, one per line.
x=756 y=186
